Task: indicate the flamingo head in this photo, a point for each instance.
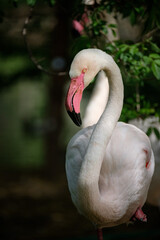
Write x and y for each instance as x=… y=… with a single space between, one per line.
x=74 y=97
x=86 y=64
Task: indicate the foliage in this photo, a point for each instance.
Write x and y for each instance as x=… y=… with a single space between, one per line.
x=136 y=9
x=139 y=61
x=130 y=108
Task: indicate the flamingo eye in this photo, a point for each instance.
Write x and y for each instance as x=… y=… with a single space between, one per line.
x=84 y=70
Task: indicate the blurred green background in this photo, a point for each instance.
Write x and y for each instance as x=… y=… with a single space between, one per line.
x=34 y=127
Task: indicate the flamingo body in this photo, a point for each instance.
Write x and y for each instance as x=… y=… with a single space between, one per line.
x=109 y=165
x=123 y=184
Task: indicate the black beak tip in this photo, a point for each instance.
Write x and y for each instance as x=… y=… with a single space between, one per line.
x=76 y=118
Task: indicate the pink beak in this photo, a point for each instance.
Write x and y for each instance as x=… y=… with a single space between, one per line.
x=73 y=98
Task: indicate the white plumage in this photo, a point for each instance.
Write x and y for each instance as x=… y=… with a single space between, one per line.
x=109 y=165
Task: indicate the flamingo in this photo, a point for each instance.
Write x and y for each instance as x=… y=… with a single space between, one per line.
x=109 y=165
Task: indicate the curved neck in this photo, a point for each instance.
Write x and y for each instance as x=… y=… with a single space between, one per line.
x=90 y=170
x=97 y=101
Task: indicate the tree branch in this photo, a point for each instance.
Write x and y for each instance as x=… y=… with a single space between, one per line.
x=33 y=59
x=149 y=34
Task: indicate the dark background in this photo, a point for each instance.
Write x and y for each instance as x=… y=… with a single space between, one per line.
x=35 y=129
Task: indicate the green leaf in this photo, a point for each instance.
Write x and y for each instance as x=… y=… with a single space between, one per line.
x=52 y=2
x=31 y=2
x=132 y=17
x=112 y=25
x=154 y=47
x=154 y=55
x=147 y=59
x=123 y=47
x=156 y=70
x=157 y=61
x=133 y=49
x=114 y=32
x=137 y=10
x=157 y=133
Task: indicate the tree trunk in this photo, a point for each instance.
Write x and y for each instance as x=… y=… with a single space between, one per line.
x=54 y=153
